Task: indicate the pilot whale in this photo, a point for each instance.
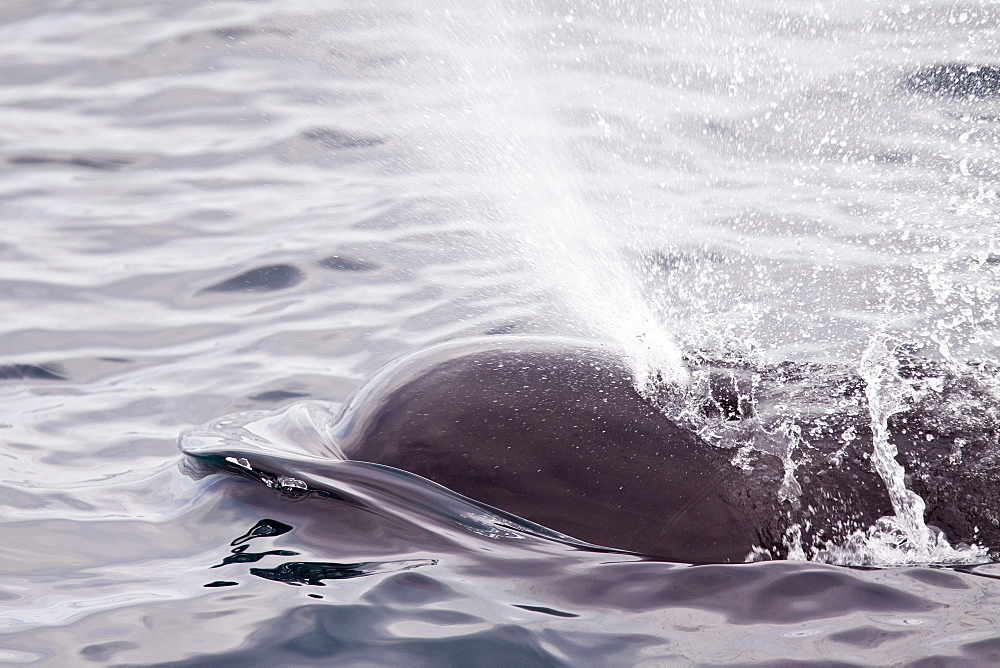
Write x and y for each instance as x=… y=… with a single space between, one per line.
x=554 y=431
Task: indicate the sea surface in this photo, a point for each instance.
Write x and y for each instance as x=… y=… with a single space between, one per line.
x=214 y=207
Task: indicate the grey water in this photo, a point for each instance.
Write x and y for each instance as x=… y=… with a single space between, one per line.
x=212 y=207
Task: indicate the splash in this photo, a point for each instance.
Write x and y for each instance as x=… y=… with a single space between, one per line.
x=503 y=129
x=498 y=122
x=903 y=538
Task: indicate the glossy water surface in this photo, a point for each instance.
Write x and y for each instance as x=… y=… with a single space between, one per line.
x=214 y=207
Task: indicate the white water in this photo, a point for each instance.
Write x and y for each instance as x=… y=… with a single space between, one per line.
x=795 y=258
x=497 y=121
x=903 y=538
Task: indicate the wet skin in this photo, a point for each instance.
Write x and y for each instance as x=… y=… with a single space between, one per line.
x=559 y=436
x=555 y=432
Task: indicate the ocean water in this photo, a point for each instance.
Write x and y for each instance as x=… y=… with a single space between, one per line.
x=210 y=208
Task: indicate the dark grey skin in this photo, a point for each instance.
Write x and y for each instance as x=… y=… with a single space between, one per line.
x=555 y=432
x=558 y=435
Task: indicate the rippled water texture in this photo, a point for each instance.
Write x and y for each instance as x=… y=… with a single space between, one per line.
x=215 y=207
